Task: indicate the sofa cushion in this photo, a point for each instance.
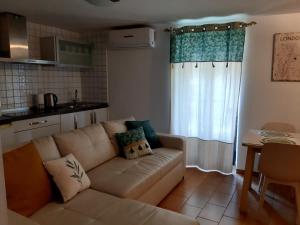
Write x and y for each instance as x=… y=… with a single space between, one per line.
x=116 y=126
x=90 y=145
x=150 y=134
x=134 y=143
x=68 y=175
x=28 y=186
x=131 y=178
x=91 y=207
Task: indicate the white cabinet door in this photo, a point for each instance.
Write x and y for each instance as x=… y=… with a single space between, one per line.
x=8 y=138
x=67 y=122
x=28 y=135
x=100 y=115
x=83 y=119
x=26 y=130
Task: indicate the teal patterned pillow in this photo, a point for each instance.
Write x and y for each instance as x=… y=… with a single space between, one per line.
x=133 y=143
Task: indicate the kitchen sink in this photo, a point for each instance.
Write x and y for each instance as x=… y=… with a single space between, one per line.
x=81 y=105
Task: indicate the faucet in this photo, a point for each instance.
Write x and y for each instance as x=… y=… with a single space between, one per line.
x=76 y=97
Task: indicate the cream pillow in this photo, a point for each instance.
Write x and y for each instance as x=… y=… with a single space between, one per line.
x=69 y=176
x=116 y=126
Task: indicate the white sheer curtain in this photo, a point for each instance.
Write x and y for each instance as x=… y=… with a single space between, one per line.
x=204 y=108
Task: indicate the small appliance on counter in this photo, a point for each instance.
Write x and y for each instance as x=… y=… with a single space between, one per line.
x=50 y=100
x=38 y=101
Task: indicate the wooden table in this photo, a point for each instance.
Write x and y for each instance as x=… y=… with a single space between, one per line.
x=254 y=140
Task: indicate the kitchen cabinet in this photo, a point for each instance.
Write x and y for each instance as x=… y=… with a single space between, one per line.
x=66 y=52
x=26 y=130
x=100 y=115
x=72 y=121
x=67 y=122
x=23 y=131
x=7 y=134
x=81 y=119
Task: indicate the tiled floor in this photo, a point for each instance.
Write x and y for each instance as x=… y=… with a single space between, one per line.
x=213 y=199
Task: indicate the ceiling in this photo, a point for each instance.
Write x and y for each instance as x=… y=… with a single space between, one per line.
x=80 y=15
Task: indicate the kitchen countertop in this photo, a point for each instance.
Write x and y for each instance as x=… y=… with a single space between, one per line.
x=7 y=118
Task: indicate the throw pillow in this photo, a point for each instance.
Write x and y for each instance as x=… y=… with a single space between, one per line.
x=28 y=185
x=133 y=143
x=69 y=176
x=150 y=134
x=115 y=126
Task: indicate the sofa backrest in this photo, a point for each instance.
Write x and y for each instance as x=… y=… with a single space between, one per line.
x=90 y=145
x=45 y=145
x=47 y=148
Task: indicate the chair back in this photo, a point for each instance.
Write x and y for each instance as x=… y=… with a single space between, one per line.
x=284 y=127
x=281 y=162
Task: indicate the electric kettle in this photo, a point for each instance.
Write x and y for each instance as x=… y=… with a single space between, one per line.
x=50 y=100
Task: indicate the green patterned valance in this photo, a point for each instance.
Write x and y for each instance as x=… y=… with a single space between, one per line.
x=200 y=44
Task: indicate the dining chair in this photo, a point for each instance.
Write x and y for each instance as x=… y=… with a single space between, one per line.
x=279 y=163
x=275 y=126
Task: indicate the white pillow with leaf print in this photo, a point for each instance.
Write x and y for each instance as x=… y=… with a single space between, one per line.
x=68 y=175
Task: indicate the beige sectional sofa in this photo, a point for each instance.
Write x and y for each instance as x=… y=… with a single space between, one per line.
x=122 y=191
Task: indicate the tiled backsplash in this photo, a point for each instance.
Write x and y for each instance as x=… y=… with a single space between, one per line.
x=18 y=82
x=94 y=81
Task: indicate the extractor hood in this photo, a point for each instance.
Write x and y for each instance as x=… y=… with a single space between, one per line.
x=14 y=40
x=13 y=36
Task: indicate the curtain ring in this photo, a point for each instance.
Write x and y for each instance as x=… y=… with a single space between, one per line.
x=182 y=65
x=227 y=64
x=196 y=66
x=213 y=65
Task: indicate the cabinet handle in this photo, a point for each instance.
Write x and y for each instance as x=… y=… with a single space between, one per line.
x=75 y=122
x=38 y=122
x=95 y=117
x=92 y=118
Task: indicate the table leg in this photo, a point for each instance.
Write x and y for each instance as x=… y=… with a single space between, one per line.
x=247 y=179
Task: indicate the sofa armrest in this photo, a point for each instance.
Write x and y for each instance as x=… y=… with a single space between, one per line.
x=172 y=141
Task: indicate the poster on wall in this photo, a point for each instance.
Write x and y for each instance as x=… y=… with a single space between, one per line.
x=286 y=57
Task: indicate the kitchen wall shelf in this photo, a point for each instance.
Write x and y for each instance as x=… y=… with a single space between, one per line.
x=66 y=52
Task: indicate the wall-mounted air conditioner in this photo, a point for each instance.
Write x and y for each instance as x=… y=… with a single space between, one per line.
x=132 y=38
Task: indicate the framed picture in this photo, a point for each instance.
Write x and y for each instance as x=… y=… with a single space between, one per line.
x=286 y=57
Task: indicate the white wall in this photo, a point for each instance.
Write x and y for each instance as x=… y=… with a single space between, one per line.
x=261 y=99
x=139 y=83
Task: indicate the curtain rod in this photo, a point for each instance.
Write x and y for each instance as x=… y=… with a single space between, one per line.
x=210 y=27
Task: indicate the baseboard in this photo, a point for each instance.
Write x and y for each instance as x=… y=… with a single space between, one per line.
x=242 y=172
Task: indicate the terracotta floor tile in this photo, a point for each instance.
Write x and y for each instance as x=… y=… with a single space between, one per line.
x=190 y=210
x=206 y=222
x=202 y=195
x=183 y=190
x=198 y=199
x=173 y=203
x=230 y=179
x=206 y=189
x=236 y=197
x=220 y=199
x=212 y=212
x=231 y=221
x=212 y=180
x=226 y=188
x=233 y=211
